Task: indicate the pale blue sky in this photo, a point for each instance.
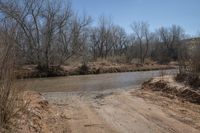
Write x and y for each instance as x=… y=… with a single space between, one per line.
x=185 y=13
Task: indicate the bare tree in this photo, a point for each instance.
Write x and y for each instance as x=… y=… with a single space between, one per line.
x=26 y=14
x=120 y=40
x=171 y=38
x=107 y=39
x=101 y=38
x=143 y=38
x=48 y=28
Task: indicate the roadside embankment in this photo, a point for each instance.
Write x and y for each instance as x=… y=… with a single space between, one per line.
x=38 y=116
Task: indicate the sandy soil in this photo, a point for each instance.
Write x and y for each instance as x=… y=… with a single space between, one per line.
x=132 y=111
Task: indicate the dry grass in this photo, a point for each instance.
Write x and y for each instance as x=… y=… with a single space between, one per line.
x=11 y=105
x=11 y=102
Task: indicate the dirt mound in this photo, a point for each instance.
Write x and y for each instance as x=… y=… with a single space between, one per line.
x=171 y=88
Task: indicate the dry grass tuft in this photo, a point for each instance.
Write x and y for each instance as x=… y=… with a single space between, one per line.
x=11 y=102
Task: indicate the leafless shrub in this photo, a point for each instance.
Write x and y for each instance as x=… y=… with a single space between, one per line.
x=189 y=66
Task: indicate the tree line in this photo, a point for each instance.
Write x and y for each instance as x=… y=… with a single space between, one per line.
x=47 y=32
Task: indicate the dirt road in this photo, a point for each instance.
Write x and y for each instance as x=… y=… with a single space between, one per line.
x=124 y=111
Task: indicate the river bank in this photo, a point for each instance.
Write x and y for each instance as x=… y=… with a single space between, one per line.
x=31 y=71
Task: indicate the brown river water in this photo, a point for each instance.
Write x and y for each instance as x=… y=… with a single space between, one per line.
x=89 y=83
